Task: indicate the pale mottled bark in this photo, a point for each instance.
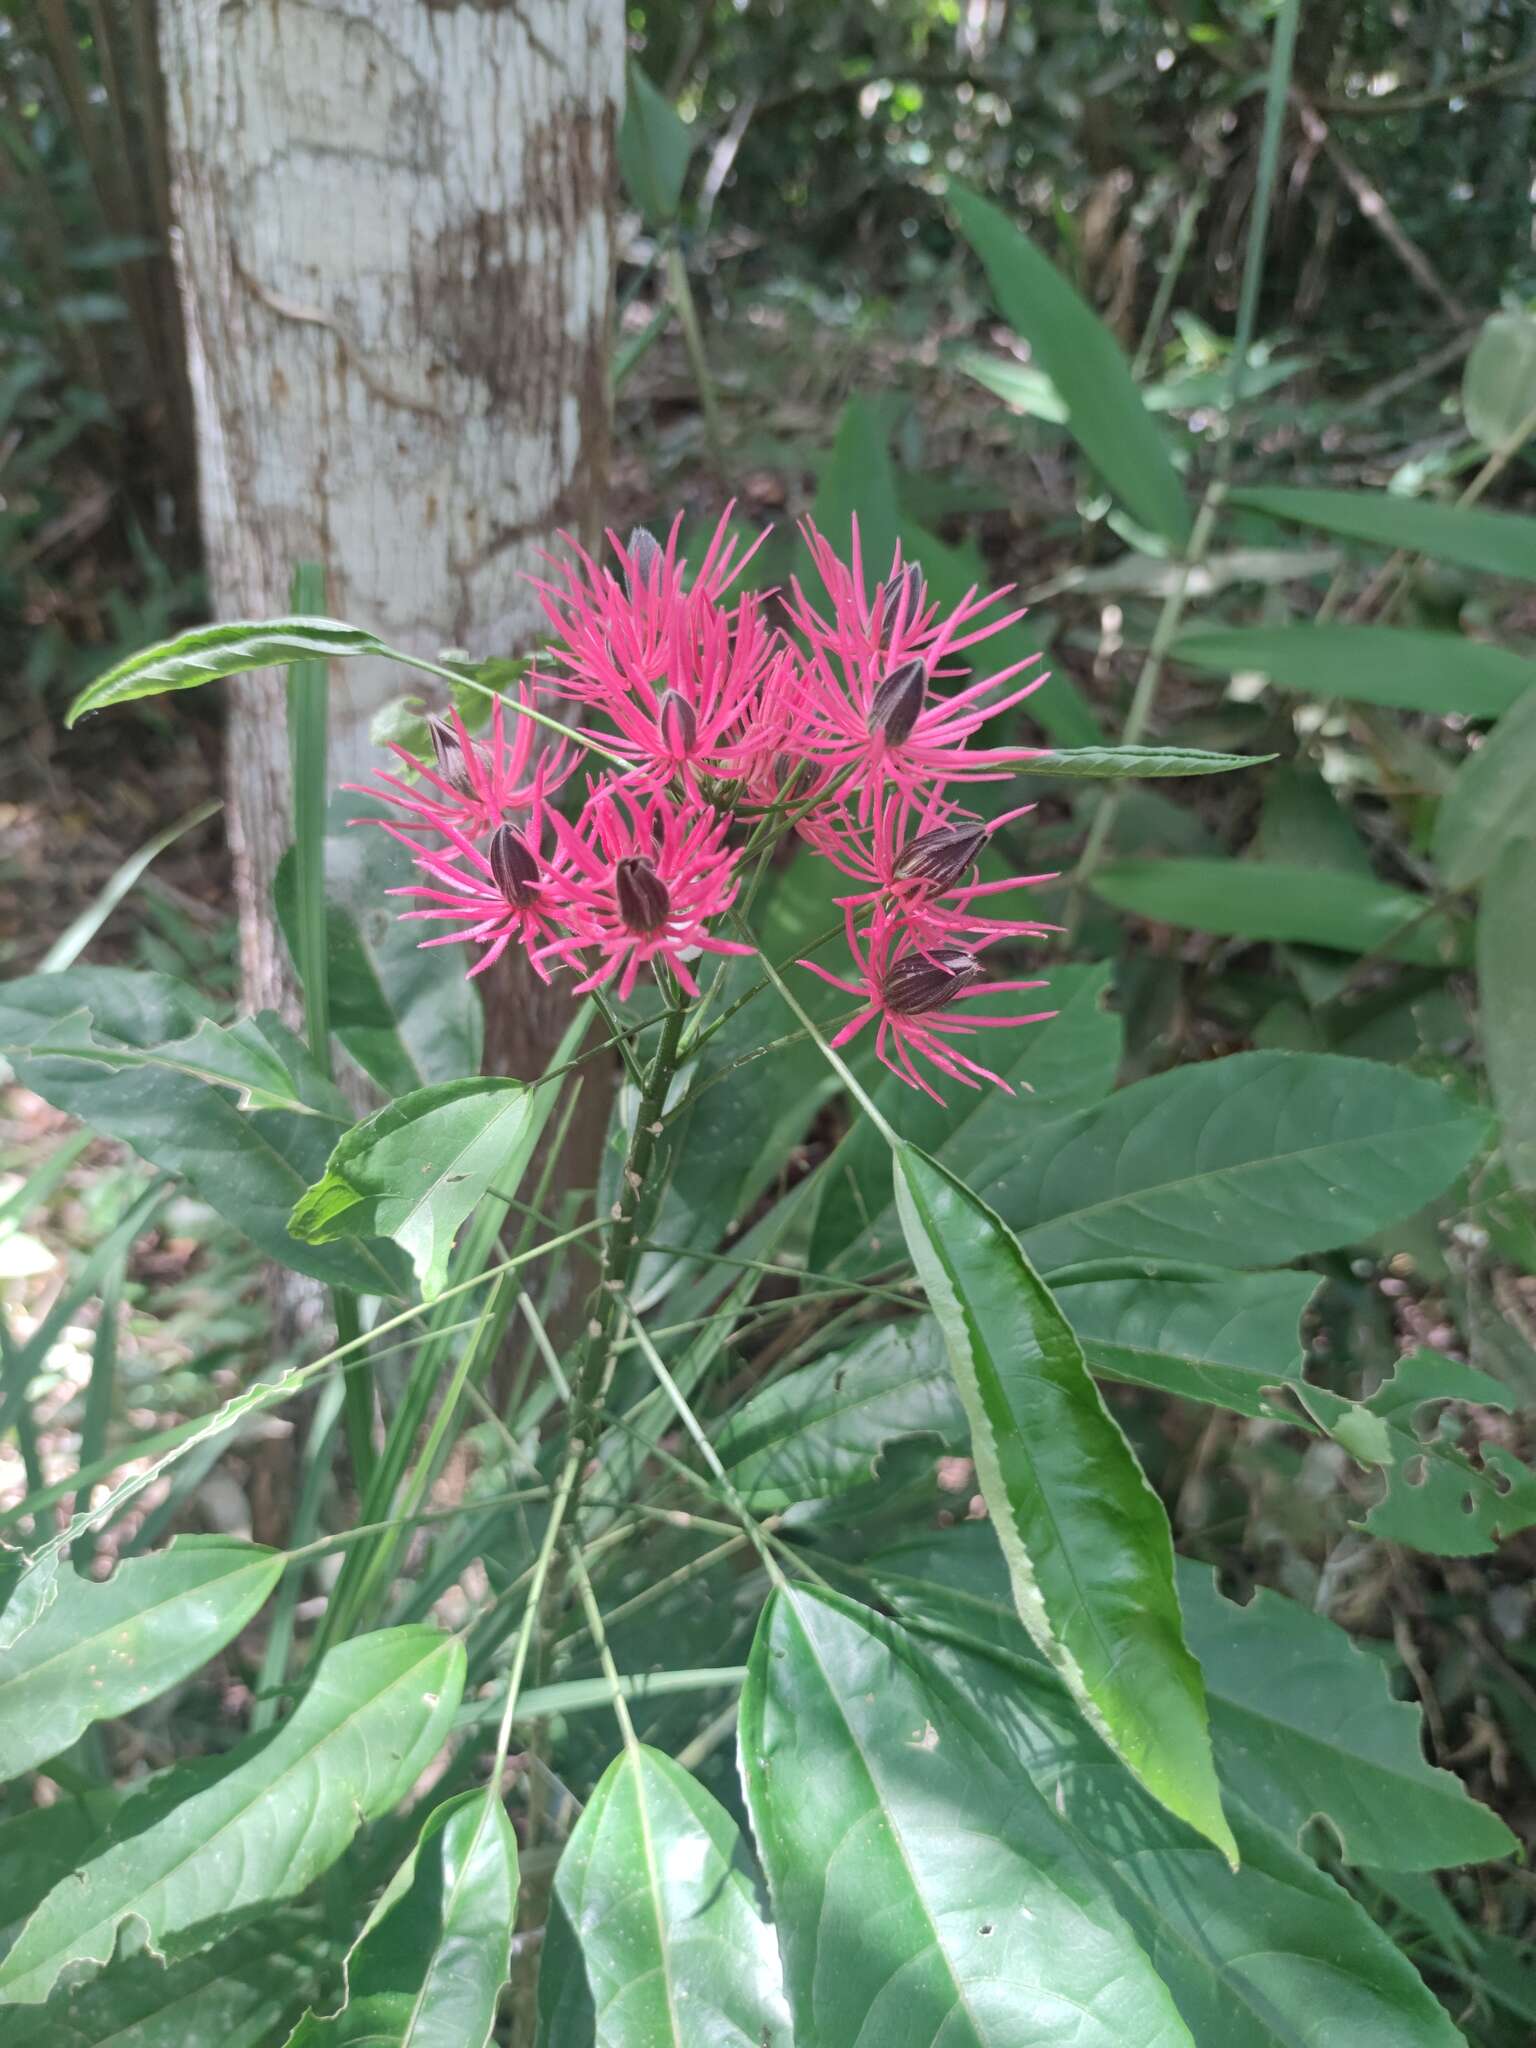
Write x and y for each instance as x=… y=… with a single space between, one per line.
x=394 y=246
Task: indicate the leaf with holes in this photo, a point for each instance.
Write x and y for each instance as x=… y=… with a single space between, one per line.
x=375 y=1713
x=417 y=1168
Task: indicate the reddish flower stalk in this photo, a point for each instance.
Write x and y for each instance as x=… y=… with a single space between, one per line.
x=910 y=995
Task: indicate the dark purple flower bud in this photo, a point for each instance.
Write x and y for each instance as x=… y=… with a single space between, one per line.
x=644 y=903
x=450 y=755
x=941 y=856
x=929 y=981
x=912 y=593
x=644 y=552
x=898 y=701
x=678 y=726
x=515 y=869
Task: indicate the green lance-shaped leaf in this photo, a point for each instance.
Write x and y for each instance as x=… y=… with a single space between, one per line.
x=1303 y=1722
x=1304 y=906
x=174 y=1097
x=106 y=1648
x=415 y=1169
x=1498 y=385
x=240 y=1993
x=1498 y=543
x=925 y=1895
x=375 y=1714
x=1087 y=1542
x=1506 y=962
x=654 y=1933
x=1488 y=805
x=1244 y=1161
x=209 y=653
x=1277 y=1956
x=1084 y=362
x=429 y=1966
x=1440 y=673
x=1119 y=764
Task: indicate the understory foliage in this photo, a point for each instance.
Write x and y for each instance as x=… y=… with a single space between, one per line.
x=739 y=1601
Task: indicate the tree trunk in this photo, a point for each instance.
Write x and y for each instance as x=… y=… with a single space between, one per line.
x=394 y=252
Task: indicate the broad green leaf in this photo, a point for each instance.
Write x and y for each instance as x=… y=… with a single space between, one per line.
x=1111 y=764
x=374 y=1715
x=1275 y=1956
x=1435 y=1497
x=1064 y=1064
x=1248 y=899
x=1441 y=673
x=1305 y=1723
x=655 y=147
x=1498 y=543
x=654 y=1934
x=1083 y=361
x=240 y=1993
x=237 y=1056
x=1498 y=385
x=1506 y=974
x=1488 y=805
x=405 y=1013
x=857 y=488
x=208 y=653
x=249 y=1166
x=415 y=1169
x=1207 y=1336
x=428 y=1968
x=104 y=1648
x=1086 y=1539
x=40 y=1845
x=1245 y=1161
x=925 y=1895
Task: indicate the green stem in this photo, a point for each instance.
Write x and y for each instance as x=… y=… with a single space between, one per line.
x=680 y=291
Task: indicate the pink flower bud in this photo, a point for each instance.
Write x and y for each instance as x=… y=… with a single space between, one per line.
x=897 y=704
x=643 y=899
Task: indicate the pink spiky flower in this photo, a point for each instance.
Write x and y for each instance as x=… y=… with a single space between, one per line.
x=476 y=784
x=865 y=702
x=641 y=878
x=910 y=995
x=915 y=858
x=509 y=891
x=678 y=673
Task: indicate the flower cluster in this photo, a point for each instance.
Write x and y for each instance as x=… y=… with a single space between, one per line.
x=848 y=717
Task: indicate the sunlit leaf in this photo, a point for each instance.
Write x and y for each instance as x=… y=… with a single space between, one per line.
x=104 y=1648
x=925 y=1896
x=208 y=653
x=654 y=1933
x=1087 y=1541
x=374 y=1714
